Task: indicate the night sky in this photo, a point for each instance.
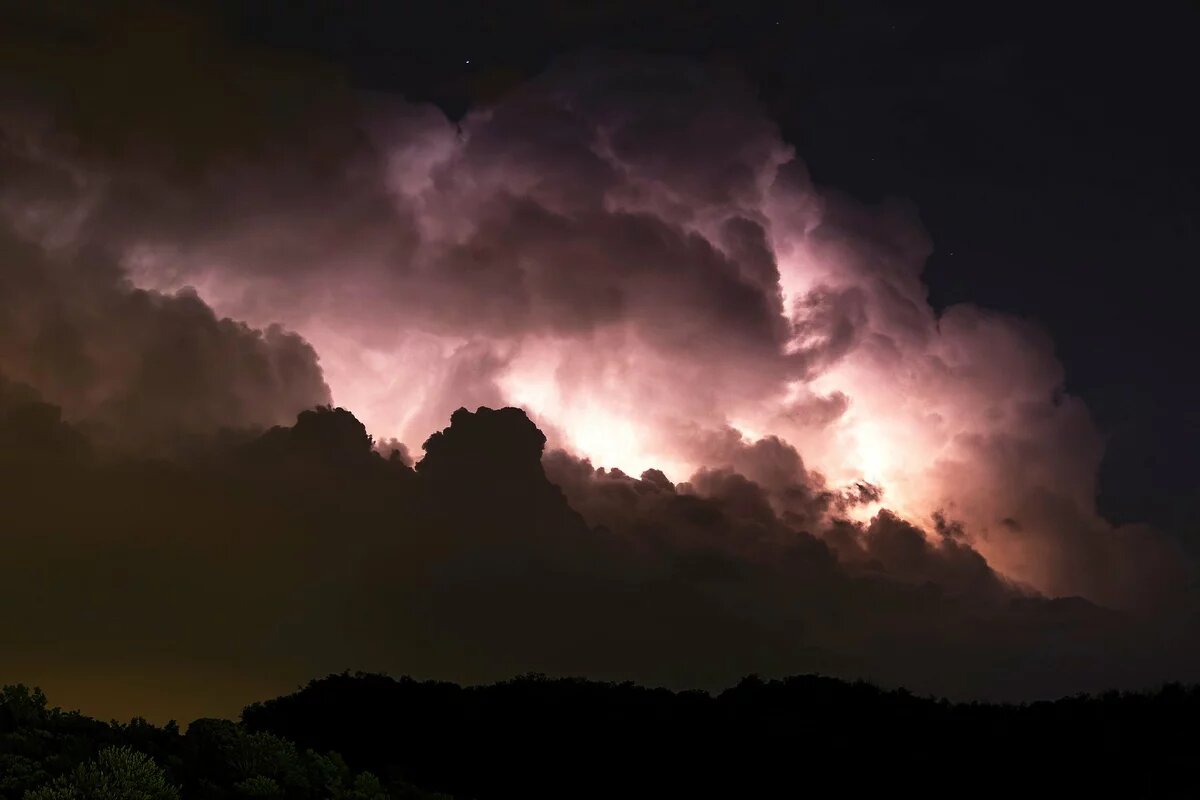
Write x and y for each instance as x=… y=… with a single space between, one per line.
x=675 y=342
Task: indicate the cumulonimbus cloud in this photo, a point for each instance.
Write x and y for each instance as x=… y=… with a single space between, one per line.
x=625 y=247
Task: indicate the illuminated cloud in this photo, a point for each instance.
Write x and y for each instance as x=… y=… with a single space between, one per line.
x=627 y=249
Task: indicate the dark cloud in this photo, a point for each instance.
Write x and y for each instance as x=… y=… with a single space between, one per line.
x=146 y=368
x=33 y=430
x=261 y=561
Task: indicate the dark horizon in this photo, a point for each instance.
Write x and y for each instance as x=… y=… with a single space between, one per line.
x=354 y=737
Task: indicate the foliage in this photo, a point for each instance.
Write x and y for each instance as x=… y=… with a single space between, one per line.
x=537 y=737
x=370 y=737
x=49 y=754
x=21 y=706
x=116 y=773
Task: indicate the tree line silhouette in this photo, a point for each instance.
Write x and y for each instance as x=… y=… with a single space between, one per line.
x=50 y=754
x=372 y=737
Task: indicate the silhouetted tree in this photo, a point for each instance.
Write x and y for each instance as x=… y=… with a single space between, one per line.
x=48 y=754
x=116 y=773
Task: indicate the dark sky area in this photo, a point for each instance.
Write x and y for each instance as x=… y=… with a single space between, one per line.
x=917 y=406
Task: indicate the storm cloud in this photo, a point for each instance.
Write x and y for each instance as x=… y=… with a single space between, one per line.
x=832 y=476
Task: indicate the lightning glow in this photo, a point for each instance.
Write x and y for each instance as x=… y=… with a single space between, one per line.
x=658 y=283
